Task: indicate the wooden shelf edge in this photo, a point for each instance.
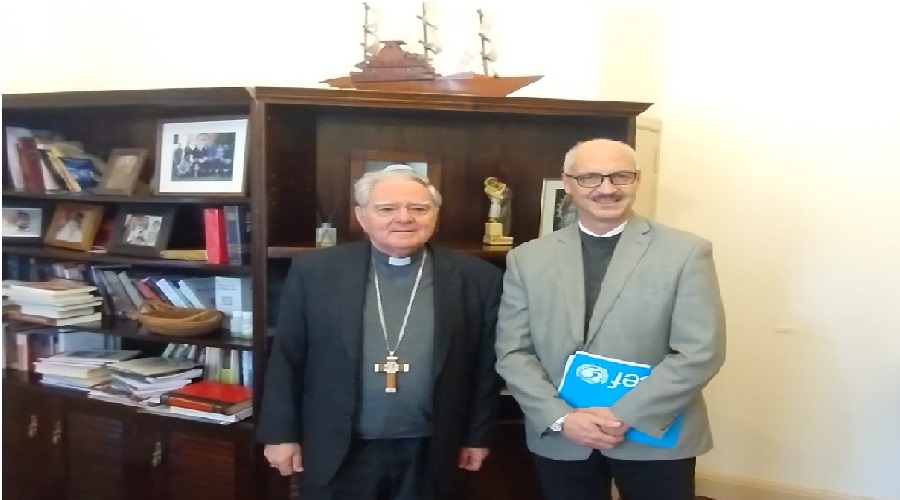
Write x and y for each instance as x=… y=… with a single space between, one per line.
x=131 y=329
x=74 y=255
x=117 y=198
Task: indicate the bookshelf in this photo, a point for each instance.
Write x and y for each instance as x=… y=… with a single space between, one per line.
x=299 y=147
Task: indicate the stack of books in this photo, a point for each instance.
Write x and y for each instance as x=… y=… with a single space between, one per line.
x=80 y=369
x=142 y=381
x=210 y=400
x=54 y=303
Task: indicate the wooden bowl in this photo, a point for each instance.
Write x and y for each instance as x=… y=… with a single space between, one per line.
x=163 y=319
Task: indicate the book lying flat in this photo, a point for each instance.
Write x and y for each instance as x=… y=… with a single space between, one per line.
x=595 y=380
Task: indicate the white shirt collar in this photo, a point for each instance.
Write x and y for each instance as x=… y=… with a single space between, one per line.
x=612 y=232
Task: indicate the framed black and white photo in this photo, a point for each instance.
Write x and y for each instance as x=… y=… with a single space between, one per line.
x=557 y=209
x=202 y=156
x=23 y=224
x=142 y=230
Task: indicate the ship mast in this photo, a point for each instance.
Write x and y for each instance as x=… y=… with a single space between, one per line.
x=432 y=46
x=370 y=48
x=486 y=57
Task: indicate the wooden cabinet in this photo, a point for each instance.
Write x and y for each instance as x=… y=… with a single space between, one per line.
x=58 y=444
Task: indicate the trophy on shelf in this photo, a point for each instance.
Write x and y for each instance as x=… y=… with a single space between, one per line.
x=499 y=214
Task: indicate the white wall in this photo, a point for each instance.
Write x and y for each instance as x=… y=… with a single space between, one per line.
x=779 y=146
x=50 y=45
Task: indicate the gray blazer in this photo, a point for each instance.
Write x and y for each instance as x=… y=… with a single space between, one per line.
x=659 y=304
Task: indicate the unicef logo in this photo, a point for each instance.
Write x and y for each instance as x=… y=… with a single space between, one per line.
x=592 y=374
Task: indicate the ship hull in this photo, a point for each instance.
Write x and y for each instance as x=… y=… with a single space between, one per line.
x=461 y=83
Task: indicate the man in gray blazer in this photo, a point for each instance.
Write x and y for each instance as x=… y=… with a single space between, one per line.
x=625 y=287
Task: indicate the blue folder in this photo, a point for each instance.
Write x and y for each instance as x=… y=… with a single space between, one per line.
x=595 y=380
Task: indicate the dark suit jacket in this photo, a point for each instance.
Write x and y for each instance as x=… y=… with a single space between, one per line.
x=311 y=386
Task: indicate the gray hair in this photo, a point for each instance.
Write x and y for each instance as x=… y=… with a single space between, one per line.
x=362 y=189
x=569 y=160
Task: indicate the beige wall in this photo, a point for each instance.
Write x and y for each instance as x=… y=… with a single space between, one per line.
x=780 y=145
x=780 y=125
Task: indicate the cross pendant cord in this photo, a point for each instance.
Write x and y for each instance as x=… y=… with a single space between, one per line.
x=412 y=297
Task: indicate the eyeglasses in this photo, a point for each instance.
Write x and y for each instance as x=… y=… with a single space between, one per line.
x=392 y=210
x=593 y=179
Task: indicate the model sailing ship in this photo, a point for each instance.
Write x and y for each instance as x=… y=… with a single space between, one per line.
x=387 y=66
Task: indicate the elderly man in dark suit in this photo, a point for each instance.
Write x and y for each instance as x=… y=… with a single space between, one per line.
x=381 y=380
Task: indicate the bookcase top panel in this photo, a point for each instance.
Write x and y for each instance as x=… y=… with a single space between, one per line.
x=322 y=97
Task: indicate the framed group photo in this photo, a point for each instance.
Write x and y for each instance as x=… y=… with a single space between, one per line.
x=142 y=230
x=363 y=161
x=202 y=156
x=74 y=226
x=557 y=209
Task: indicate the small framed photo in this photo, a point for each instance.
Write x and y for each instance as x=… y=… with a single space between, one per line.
x=123 y=171
x=142 y=230
x=557 y=209
x=74 y=226
x=23 y=224
x=363 y=161
x=202 y=156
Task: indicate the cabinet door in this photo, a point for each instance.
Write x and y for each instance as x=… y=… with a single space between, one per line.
x=95 y=452
x=33 y=467
x=205 y=465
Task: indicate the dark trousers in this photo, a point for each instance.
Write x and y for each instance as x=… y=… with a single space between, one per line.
x=379 y=469
x=592 y=479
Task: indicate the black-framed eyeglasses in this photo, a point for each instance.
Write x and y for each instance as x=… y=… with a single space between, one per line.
x=594 y=179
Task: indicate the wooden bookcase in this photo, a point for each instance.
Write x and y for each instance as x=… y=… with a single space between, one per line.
x=300 y=143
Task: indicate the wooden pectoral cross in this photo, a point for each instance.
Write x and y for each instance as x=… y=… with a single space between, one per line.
x=391 y=367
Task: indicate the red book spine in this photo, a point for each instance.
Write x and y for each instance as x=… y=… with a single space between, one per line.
x=214 y=227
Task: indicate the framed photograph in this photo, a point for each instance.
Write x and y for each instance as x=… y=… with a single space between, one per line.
x=202 y=156
x=557 y=209
x=23 y=224
x=363 y=161
x=74 y=226
x=123 y=171
x=142 y=229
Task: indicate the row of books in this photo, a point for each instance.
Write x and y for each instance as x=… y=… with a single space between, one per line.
x=40 y=160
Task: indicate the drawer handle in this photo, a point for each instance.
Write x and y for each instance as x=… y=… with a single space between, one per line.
x=157 y=455
x=32 y=426
x=57 y=432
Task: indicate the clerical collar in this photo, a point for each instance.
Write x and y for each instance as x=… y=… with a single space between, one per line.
x=383 y=258
x=612 y=232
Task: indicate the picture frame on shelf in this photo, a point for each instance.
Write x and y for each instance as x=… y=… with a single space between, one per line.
x=557 y=209
x=142 y=229
x=123 y=171
x=24 y=221
x=74 y=225
x=206 y=155
x=363 y=161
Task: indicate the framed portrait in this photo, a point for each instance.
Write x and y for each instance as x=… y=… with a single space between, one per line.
x=24 y=223
x=123 y=171
x=74 y=226
x=363 y=161
x=142 y=230
x=202 y=156
x=557 y=209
